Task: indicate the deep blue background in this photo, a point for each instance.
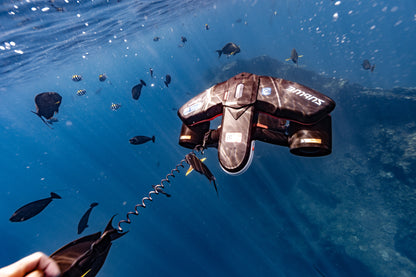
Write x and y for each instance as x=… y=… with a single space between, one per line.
x=348 y=214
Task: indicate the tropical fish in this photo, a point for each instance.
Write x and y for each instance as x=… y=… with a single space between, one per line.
x=151 y=72
x=229 y=49
x=141 y=139
x=85 y=256
x=32 y=209
x=197 y=165
x=137 y=90
x=76 y=78
x=47 y=104
x=294 y=56
x=367 y=66
x=190 y=169
x=156 y=38
x=83 y=223
x=167 y=80
x=183 y=39
x=102 y=77
x=81 y=92
x=115 y=106
x=206 y=27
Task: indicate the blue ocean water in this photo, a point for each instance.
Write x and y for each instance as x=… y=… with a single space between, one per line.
x=348 y=214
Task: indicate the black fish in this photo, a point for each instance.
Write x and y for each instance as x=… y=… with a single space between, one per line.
x=366 y=65
x=229 y=49
x=206 y=27
x=183 y=39
x=200 y=167
x=47 y=104
x=58 y=9
x=294 y=56
x=141 y=139
x=167 y=80
x=151 y=72
x=83 y=223
x=85 y=256
x=32 y=209
x=102 y=77
x=137 y=90
x=156 y=38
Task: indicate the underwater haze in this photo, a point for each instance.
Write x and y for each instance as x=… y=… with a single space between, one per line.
x=351 y=213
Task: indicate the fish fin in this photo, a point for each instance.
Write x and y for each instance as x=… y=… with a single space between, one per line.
x=85 y=274
x=94 y=204
x=153 y=139
x=219 y=53
x=215 y=186
x=190 y=169
x=54 y=195
x=44 y=121
x=300 y=56
x=288 y=59
x=114 y=233
x=166 y=83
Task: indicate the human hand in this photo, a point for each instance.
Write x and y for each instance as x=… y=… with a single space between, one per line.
x=34 y=265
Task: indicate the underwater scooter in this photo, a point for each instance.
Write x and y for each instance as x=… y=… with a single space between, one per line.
x=253 y=108
x=261 y=108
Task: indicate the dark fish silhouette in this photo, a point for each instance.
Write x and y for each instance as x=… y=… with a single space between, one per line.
x=83 y=223
x=200 y=167
x=367 y=66
x=47 y=104
x=76 y=78
x=84 y=257
x=137 y=90
x=141 y=139
x=206 y=27
x=151 y=72
x=102 y=77
x=156 y=38
x=183 y=40
x=167 y=80
x=294 y=56
x=32 y=209
x=229 y=49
